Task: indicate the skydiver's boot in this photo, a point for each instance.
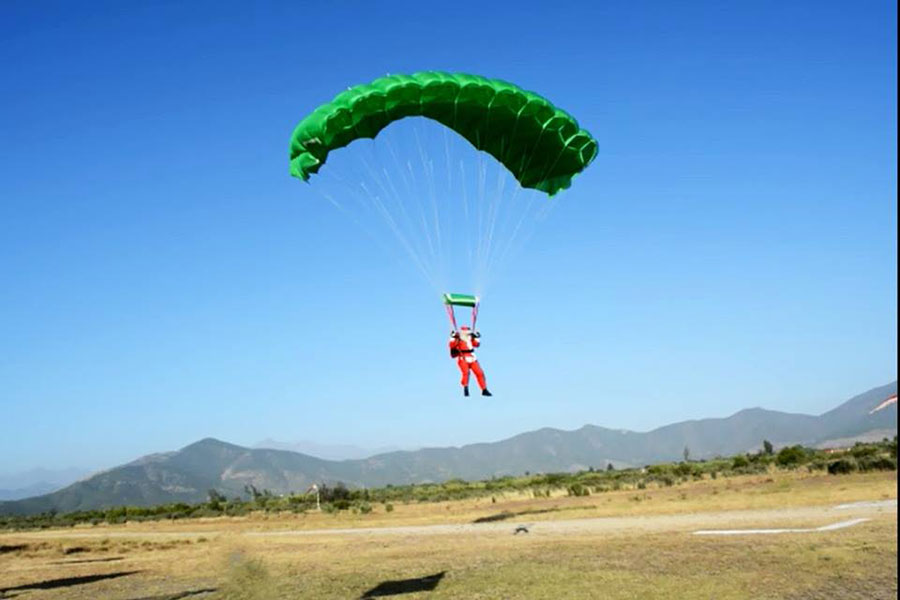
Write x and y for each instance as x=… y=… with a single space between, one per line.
x=486 y=392
x=465 y=390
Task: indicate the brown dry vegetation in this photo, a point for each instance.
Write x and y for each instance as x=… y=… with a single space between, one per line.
x=623 y=544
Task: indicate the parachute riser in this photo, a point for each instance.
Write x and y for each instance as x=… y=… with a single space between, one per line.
x=452 y=317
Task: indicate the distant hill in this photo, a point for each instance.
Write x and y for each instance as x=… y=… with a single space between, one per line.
x=33 y=482
x=326 y=451
x=187 y=474
x=35 y=489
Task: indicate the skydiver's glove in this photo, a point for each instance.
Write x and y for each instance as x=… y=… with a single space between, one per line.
x=476 y=334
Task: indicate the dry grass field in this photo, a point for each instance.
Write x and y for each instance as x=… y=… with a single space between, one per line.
x=621 y=544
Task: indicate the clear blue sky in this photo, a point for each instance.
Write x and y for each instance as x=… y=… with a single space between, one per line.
x=164 y=279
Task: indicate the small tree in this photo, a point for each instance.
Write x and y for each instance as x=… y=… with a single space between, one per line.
x=687 y=454
x=610 y=467
x=768 y=448
x=790 y=456
x=215 y=499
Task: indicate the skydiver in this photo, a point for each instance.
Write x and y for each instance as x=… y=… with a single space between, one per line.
x=462 y=348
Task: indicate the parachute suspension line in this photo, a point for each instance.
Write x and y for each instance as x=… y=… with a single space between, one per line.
x=388 y=215
x=338 y=206
x=353 y=217
x=502 y=214
x=496 y=208
x=428 y=168
x=423 y=217
x=374 y=203
x=390 y=189
x=485 y=214
x=505 y=237
x=497 y=258
x=369 y=202
x=465 y=203
x=452 y=316
x=465 y=237
x=410 y=193
x=562 y=151
x=490 y=201
x=415 y=255
x=517 y=242
x=355 y=195
x=474 y=316
x=414 y=195
x=447 y=238
x=485 y=235
x=482 y=177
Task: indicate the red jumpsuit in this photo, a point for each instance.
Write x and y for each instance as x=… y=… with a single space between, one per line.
x=464 y=348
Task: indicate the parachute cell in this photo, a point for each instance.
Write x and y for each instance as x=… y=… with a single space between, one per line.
x=542 y=146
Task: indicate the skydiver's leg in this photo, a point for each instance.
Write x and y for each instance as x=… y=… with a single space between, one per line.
x=479 y=375
x=464 y=368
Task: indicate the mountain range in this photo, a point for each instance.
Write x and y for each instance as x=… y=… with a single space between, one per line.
x=186 y=475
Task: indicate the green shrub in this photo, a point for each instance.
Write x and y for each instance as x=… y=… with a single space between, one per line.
x=740 y=462
x=791 y=456
x=860 y=450
x=576 y=489
x=877 y=463
x=659 y=470
x=842 y=466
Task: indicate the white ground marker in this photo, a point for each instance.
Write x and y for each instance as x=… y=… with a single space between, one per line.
x=869 y=504
x=832 y=527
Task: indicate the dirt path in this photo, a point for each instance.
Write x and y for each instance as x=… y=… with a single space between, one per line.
x=649 y=523
x=821 y=518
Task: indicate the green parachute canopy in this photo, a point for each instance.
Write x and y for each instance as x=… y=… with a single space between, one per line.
x=542 y=146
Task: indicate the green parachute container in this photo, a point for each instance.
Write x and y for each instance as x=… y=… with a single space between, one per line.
x=451 y=300
x=460 y=300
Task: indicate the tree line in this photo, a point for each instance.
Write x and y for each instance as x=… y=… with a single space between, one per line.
x=335 y=497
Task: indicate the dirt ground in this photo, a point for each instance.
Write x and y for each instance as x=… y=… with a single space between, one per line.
x=625 y=544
